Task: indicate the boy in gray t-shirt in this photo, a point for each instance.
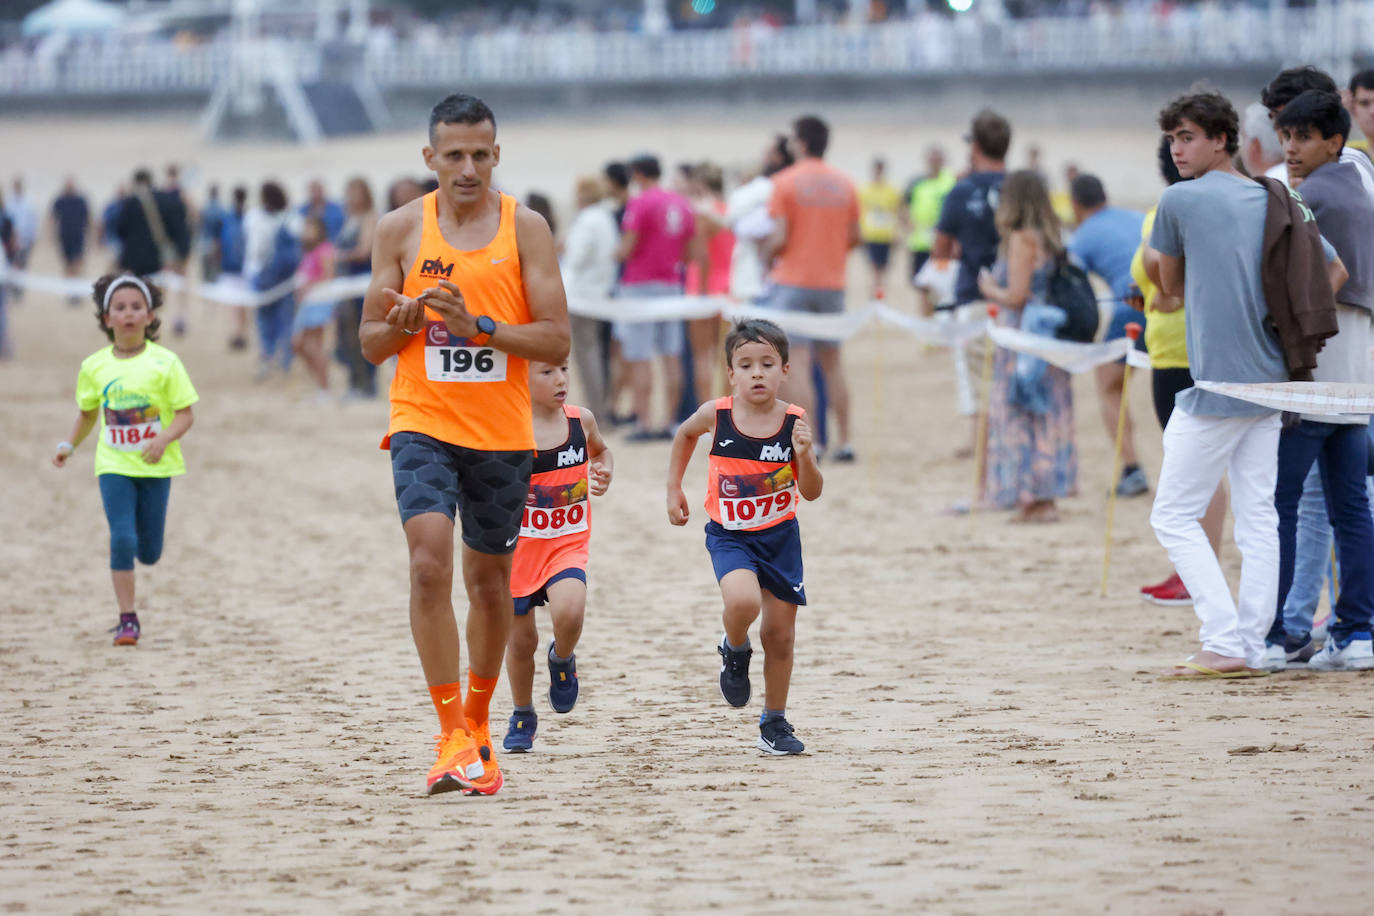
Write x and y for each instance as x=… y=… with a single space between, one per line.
x=1206 y=244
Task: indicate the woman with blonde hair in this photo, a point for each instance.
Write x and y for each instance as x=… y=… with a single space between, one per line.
x=1032 y=459
x=589 y=272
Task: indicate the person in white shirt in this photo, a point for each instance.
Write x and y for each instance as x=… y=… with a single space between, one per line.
x=746 y=214
x=589 y=273
x=24 y=219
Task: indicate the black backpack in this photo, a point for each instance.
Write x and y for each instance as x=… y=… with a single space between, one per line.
x=1069 y=288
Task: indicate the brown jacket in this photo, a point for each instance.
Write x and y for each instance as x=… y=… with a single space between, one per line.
x=1302 y=307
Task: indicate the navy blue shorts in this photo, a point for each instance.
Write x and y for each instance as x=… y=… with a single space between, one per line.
x=773 y=554
x=540 y=598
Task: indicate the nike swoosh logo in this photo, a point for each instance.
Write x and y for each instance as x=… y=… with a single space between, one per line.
x=512 y=541
x=476 y=690
x=725 y=442
x=449 y=700
x=499 y=260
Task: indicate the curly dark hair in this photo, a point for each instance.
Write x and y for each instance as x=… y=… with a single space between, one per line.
x=1167 y=170
x=1210 y=111
x=98 y=295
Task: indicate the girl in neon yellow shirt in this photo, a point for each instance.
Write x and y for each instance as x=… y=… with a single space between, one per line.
x=141 y=396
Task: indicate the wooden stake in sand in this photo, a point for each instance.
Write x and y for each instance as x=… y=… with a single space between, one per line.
x=875 y=435
x=1133 y=332
x=980 y=436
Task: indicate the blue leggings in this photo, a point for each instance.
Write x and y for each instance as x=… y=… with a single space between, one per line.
x=136 y=508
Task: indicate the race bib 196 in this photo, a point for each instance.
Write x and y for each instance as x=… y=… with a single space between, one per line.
x=555 y=511
x=454 y=359
x=756 y=500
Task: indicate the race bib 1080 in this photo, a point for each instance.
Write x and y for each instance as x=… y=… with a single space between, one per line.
x=455 y=359
x=555 y=510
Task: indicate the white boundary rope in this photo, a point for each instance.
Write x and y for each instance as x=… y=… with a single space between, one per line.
x=1300 y=397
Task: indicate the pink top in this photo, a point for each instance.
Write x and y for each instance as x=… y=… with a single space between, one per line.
x=663 y=222
x=719 y=250
x=312 y=265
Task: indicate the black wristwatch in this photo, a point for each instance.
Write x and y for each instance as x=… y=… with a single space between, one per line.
x=485 y=328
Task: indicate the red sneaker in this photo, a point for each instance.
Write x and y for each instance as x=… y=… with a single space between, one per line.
x=1172 y=593
x=1147 y=592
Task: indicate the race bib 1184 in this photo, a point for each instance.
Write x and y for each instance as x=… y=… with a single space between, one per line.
x=130 y=429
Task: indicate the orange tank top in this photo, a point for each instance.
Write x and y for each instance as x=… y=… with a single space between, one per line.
x=445 y=386
x=751 y=483
x=556 y=530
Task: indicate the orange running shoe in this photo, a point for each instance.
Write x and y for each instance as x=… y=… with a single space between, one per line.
x=491 y=781
x=459 y=765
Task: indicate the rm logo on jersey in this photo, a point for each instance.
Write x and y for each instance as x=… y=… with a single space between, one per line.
x=435 y=267
x=570 y=457
x=775 y=453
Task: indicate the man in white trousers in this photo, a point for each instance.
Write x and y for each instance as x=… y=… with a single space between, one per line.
x=1207 y=240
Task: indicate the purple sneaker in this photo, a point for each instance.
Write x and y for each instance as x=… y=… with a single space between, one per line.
x=126 y=634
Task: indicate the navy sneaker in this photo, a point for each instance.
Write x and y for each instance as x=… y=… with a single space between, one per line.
x=776 y=738
x=734 y=673
x=520 y=729
x=562 y=681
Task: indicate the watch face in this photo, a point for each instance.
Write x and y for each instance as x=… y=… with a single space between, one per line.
x=486 y=325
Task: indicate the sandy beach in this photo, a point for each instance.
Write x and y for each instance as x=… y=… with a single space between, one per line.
x=985 y=732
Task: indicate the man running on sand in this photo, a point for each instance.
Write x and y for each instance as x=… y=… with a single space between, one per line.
x=480 y=296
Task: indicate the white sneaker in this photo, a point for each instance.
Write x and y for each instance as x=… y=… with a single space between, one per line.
x=1319 y=628
x=1356 y=655
x=1275 y=659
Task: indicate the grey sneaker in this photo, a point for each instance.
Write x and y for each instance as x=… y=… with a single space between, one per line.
x=1356 y=655
x=1302 y=654
x=1132 y=483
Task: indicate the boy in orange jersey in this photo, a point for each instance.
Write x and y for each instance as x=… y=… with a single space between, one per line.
x=761 y=458
x=571 y=460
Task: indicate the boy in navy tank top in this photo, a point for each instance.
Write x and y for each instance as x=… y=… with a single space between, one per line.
x=762 y=461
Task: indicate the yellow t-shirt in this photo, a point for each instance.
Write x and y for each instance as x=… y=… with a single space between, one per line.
x=879 y=203
x=1166 y=333
x=138 y=398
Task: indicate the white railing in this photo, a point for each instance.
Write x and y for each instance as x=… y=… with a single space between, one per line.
x=1329 y=35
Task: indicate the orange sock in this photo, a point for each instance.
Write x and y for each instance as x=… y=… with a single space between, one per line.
x=478 y=703
x=448 y=703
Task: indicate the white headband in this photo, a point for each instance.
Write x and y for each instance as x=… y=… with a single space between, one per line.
x=125 y=280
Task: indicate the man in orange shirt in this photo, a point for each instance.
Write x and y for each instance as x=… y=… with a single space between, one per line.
x=480 y=296
x=816 y=214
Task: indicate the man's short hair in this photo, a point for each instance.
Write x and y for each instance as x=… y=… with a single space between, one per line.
x=1210 y=111
x=646 y=166
x=1322 y=111
x=1256 y=125
x=617 y=175
x=460 y=109
x=1291 y=83
x=813 y=133
x=273 y=197
x=143 y=176
x=1087 y=192
x=1362 y=80
x=991 y=133
x=755 y=330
